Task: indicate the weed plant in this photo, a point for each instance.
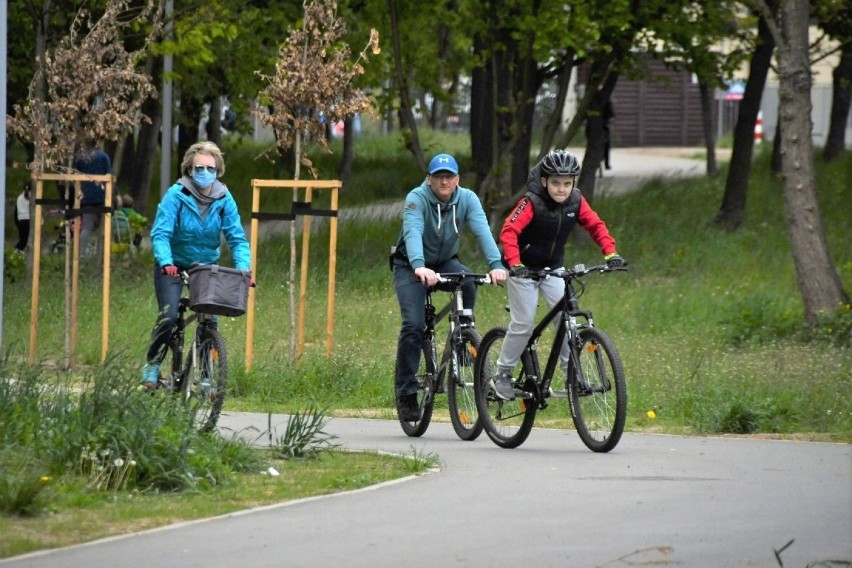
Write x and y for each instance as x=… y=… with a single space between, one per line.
x=709 y=323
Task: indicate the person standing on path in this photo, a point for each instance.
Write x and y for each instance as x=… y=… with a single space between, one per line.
x=22 y=218
x=92 y=161
x=433 y=219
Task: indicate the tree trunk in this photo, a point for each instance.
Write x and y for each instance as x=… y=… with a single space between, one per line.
x=406 y=116
x=730 y=215
x=481 y=115
x=595 y=130
x=819 y=282
x=348 y=149
x=214 y=121
x=776 y=160
x=840 y=100
x=706 y=91
x=563 y=83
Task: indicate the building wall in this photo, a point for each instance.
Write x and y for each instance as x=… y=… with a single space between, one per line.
x=664 y=110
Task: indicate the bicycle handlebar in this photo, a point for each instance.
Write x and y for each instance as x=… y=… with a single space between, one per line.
x=577 y=271
x=446 y=277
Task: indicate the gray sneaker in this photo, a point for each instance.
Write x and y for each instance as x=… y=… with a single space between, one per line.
x=502 y=385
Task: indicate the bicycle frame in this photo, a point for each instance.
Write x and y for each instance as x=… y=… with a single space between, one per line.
x=178 y=338
x=453 y=311
x=568 y=310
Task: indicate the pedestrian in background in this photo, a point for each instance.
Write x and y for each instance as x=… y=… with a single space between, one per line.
x=22 y=217
x=92 y=161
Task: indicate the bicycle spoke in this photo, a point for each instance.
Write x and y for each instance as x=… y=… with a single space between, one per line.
x=599 y=401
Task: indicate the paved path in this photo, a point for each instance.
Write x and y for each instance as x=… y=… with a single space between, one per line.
x=654 y=501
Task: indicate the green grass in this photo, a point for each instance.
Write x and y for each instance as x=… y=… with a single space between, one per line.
x=709 y=325
x=80 y=516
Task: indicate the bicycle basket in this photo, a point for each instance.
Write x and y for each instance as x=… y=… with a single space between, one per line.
x=218 y=290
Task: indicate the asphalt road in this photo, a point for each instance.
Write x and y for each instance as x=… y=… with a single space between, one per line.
x=655 y=500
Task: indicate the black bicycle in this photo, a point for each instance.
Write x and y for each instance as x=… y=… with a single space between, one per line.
x=456 y=362
x=202 y=375
x=593 y=383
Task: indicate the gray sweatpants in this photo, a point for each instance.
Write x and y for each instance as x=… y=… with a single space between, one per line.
x=523 y=302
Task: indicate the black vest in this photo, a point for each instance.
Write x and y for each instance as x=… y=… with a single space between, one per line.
x=542 y=242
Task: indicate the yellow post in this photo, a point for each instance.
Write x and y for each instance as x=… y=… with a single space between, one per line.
x=255 y=206
x=107 y=260
x=73 y=250
x=303 y=283
x=309 y=185
x=36 y=225
x=332 y=275
x=75 y=276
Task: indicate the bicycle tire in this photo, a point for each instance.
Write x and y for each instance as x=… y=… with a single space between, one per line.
x=507 y=422
x=598 y=394
x=461 y=398
x=172 y=372
x=205 y=378
x=426 y=379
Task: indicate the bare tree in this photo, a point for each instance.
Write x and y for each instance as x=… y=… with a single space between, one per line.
x=93 y=87
x=85 y=90
x=819 y=282
x=314 y=77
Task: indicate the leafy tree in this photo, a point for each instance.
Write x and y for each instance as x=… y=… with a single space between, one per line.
x=835 y=18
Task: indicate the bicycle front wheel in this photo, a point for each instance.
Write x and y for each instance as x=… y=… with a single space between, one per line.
x=507 y=422
x=598 y=392
x=461 y=398
x=203 y=387
x=426 y=379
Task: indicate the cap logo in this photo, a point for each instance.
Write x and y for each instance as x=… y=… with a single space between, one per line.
x=443 y=160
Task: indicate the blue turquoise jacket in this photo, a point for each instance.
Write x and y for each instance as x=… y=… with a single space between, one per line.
x=431 y=230
x=180 y=237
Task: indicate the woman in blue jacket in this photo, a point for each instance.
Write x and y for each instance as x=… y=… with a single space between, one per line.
x=191 y=219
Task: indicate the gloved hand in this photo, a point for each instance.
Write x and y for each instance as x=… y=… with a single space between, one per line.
x=520 y=271
x=615 y=261
x=170 y=270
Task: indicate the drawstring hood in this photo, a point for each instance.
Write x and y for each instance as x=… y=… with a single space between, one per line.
x=440 y=217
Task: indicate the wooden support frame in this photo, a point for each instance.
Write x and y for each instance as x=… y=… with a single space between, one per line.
x=299 y=208
x=37 y=222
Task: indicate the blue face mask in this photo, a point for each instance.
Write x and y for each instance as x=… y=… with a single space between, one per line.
x=204 y=178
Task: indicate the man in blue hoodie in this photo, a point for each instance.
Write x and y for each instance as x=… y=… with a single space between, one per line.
x=433 y=219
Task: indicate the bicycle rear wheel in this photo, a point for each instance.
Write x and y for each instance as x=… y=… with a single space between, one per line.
x=598 y=393
x=507 y=422
x=425 y=391
x=461 y=398
x=205 y=379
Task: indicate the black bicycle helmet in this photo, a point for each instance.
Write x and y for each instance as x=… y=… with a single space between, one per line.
x=560 y=163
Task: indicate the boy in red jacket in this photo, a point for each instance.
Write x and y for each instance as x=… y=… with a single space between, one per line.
x=533 y=238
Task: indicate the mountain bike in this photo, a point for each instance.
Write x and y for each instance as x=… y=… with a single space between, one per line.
x=455 y=364
x=201 y=377
x=593 y=382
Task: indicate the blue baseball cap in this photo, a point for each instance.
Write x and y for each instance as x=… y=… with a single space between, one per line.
x=443 y=162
